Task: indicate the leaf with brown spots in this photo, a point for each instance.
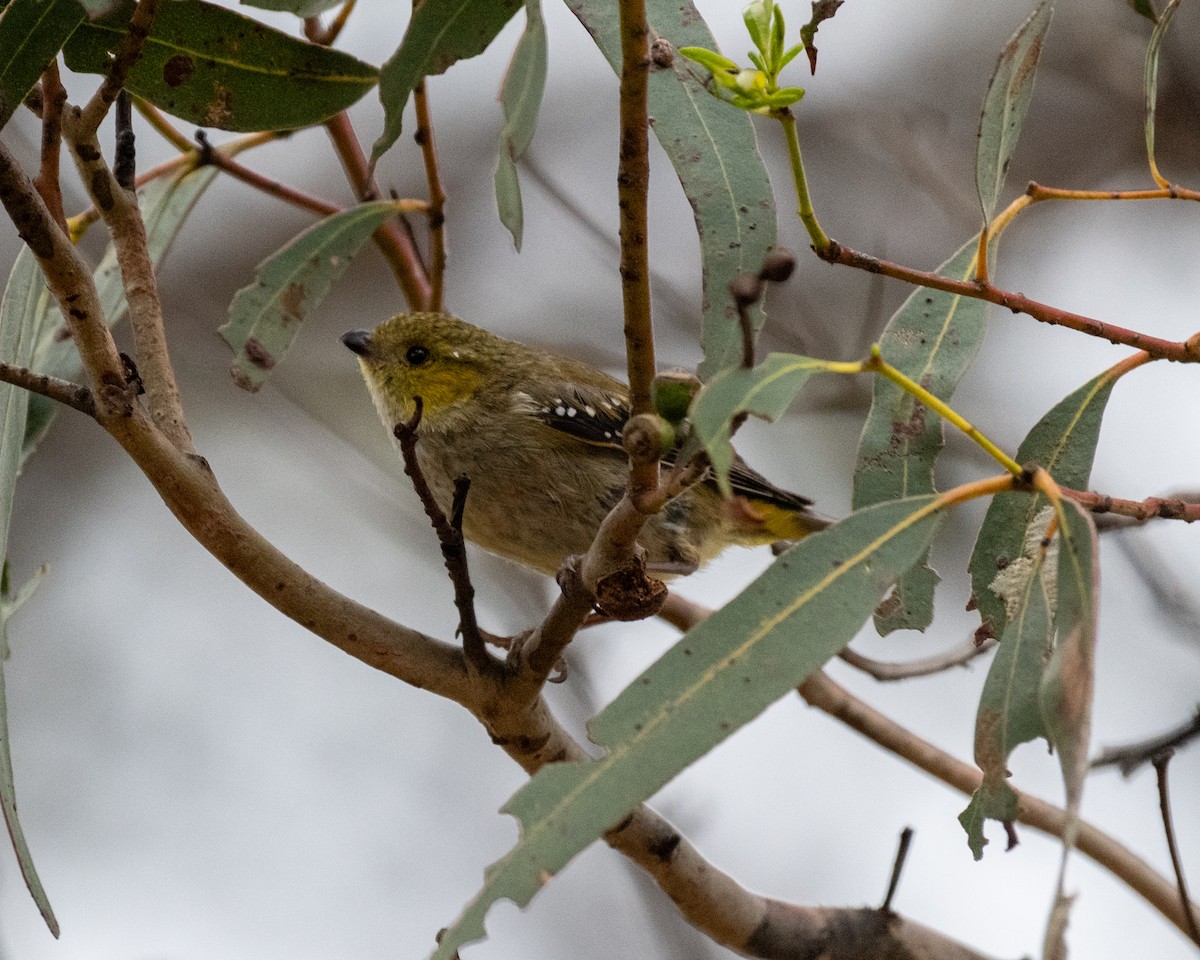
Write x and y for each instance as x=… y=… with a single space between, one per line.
x=265 y=317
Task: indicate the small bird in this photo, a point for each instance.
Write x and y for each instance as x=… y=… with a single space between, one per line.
x=539 y=437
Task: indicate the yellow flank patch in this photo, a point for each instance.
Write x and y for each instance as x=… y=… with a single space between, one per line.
x=755 y=522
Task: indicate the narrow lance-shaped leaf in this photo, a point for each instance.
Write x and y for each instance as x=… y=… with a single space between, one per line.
x=766 y=390
x=1153 y=49
x=1064 y=442
x=217 y=68
x=1009 y=708
x=713 y=149
x=31 y=34
x=440 y=33
x=933 y=339
x=165 y=205
x=521 y=97
x=718 y=677
x=22 y=315
x=1068 y=685
x=1005 y=106
x=265 y=317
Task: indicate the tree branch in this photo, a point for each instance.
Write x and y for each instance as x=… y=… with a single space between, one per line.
x=437 y=199
x=127 y=54
x=885 y=672
x=47 y=182
x=73 y=395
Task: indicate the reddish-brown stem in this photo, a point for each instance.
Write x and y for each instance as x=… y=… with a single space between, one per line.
x=256 y=180
x=53 y=97
x=1166 y=508
x=325 y=36
x=395 y=245
x=437 y=199
x=1164 y=805
x=633 y=183
x=1181 y=351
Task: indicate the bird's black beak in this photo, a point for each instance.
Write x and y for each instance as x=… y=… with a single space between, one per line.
x=359 y=341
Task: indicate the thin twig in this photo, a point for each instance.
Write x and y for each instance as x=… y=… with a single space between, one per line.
x=926 y=666
x=325 y=36
x=54 y=95
x=128 y=52
x=906 y=836
x=281 y=191
x=437 y=199
x=633 y=182
x=1164 y=805
x=1166 y=508
x=74 y=395
x=1037 y=192
x=125 y=153
x=1131 y=756
x=1181 y=351
x=450 y=538
x=395 y=245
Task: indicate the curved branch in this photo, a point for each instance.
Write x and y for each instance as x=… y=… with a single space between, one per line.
x=884 y=671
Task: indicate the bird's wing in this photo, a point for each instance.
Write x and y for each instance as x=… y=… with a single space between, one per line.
x=597 y=416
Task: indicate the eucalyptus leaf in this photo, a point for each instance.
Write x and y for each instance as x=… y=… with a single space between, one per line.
x=1005 y=106
x=521 y=98
x=713 y=149
x=265 y=316
x=933 y=339
x=721 y=675
x=215 y=67
x=1150 y=83
x=23 y=313
x=31 y=34
x=1064 y=442
x=440 y=33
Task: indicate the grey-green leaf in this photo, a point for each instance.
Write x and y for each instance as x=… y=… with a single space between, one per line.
x=1064 y=442
x=521 y=98
x=440 y=33
x=713 y=149
x=933 y=338
x=31 y=34
x=215 y=67
x=765 y=391
x=165 y=205
x=1005 y=106
x=1144 y=8
x=1151 y=81
x=720 y=676
x=265 y=317
x=1009 y=711
x=23 y=313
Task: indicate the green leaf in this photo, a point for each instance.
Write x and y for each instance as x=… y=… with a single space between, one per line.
x=720 y=676
x=715 y=156
x=1064 y=442
x=766 y=390
x=22 y=315
x=301 y=8
x=1009 y=708
x=440 y=33
x=217 y=68
x=265 y=317
x=165 y=205
x=521 y=98
x=932 y=338
x=1005 y=106
x=31 y=34
x=1151 y=81
x=1145 y=8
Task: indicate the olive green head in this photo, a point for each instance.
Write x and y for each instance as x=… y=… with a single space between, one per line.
x=434 y=356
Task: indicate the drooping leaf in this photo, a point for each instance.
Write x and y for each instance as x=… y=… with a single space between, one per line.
x=932 y=338
x=1009 y=708
x=22 y=315
x=1064 y=442
x=214 y=67
x=31 y=34
x=718 y=677
x=713 y=149
x=1144 y=8
x=301 y=8
x=822 y=10
x=766 y=390
x=1151 y=84
x=265 y=317
x=1005 y=106
x=521 y=97
x=440 y=33
x=165 y=205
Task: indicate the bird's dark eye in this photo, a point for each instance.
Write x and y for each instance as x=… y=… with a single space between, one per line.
x=416 y=355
